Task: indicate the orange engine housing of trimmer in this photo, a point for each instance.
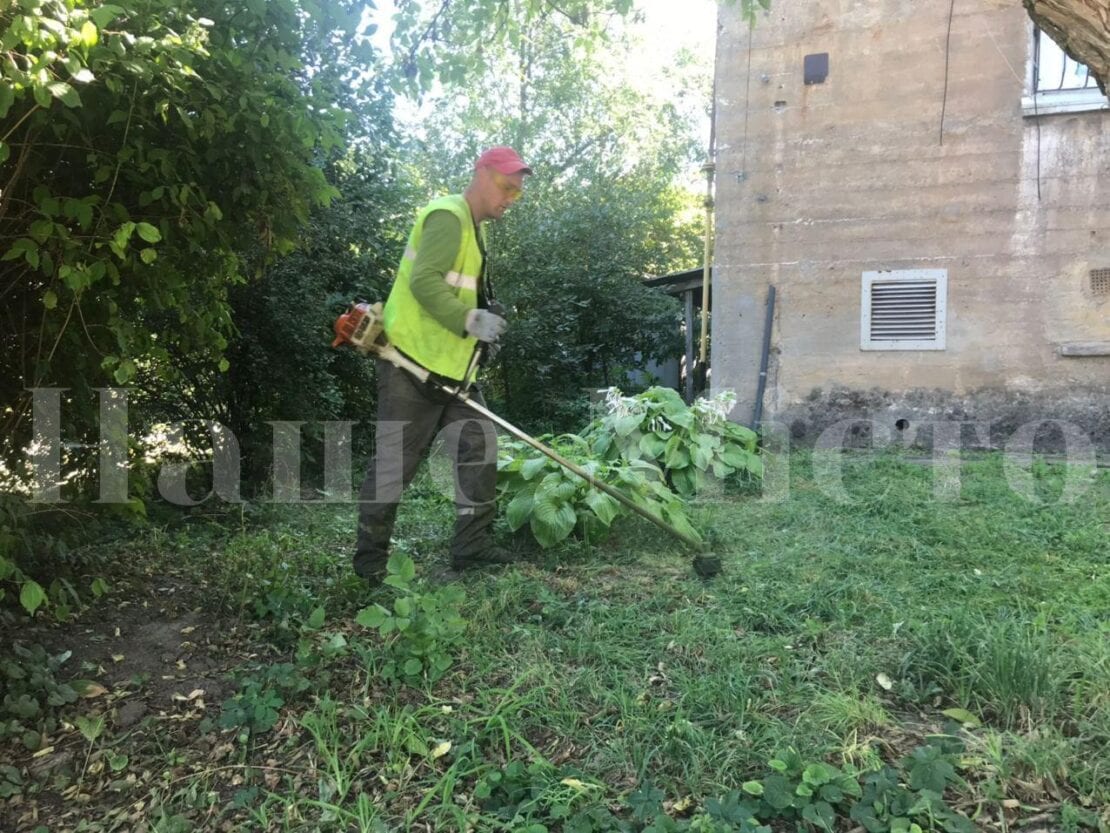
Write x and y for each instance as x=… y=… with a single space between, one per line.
x=360 y=326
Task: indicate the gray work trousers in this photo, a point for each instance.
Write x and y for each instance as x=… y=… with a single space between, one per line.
x=410 y=416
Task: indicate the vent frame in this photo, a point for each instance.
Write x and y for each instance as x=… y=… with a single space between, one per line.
x=1099 y=282
x=904 y=309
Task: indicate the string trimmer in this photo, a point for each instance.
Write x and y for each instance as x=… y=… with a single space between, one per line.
x=361 y=327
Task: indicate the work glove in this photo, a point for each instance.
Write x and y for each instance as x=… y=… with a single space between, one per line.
x=484 y=325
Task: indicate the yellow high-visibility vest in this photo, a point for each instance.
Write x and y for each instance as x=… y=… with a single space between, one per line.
x=408 y=326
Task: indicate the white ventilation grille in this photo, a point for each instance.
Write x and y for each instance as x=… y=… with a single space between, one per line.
x=904 y=310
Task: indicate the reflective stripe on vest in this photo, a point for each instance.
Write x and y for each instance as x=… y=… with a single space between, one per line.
x=408 y=326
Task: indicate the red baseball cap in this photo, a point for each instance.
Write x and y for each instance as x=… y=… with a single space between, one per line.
x=502 y=159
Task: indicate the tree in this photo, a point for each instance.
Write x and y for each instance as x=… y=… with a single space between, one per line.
x=154 y=155
x=453 y=43
x=601 y=212
x=282 y=349
x=1082 y=30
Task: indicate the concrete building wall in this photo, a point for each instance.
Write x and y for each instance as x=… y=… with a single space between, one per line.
x=818 y=184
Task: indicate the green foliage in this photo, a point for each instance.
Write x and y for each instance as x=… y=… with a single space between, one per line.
x=555 y=502
x=540 y=797
x=153 y=162
x=453 y=43
x=691 y=444
x=749 y=9
x=33 y=694
x=255 y=709
x=819 y=796
x=601 y=212
x=810 y=796
x=348 y=249
x=419 y=631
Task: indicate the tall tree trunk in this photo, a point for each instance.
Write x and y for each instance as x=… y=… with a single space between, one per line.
x=1081 y=28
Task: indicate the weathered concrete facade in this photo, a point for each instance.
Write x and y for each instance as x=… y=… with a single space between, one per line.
x=819 y=183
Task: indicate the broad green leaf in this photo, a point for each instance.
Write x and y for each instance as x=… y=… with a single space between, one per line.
x=103 y=15
x=685 y=481
x=605 y=507
x=677 y=456
x=84 y=214
x=148 y=255
x=652 y=445
x=552 y=523
x=149 y=233
x=7 y=99
x=702 y=457
x=777 y=792
x=41 y=95
x=685 y=419
x=372 y=617
x=625 y=425
x=401 y=566
x=316 y=618
x=90 y=727
x=125 y=372
x=820 y=814
x=64 y=93
x=533 y=467
x=963 y=716
x=817 y=774
x=90 y=36
x=669 y=399
x=31 y=596
x=518 y=510
x=557 y=486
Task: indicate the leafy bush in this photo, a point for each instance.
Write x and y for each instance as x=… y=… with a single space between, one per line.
x=689 y=443
x=421 y=629
x=33 y=694
x=256 y=707
x=555 y=502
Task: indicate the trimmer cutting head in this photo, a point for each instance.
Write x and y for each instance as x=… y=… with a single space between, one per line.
x=707 y=564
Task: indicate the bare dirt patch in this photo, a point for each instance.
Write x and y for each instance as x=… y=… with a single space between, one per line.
x=158 y=663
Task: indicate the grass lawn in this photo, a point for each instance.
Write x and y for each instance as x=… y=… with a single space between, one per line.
x=884 y=649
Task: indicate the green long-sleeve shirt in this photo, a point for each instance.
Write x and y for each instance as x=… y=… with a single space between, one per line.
x=439 y=245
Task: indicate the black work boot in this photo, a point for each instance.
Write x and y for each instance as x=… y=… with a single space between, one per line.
x=489 y=556
x=370 y=566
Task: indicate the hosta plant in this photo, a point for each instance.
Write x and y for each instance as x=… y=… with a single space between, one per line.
x=555 y=502
x=692 y=444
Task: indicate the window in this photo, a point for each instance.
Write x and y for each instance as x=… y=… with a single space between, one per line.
x=1056 y=83
x=904 y=310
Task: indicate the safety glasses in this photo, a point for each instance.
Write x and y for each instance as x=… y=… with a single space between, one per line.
x=510 y=189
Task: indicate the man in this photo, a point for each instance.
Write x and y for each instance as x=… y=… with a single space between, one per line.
x=438 y=314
